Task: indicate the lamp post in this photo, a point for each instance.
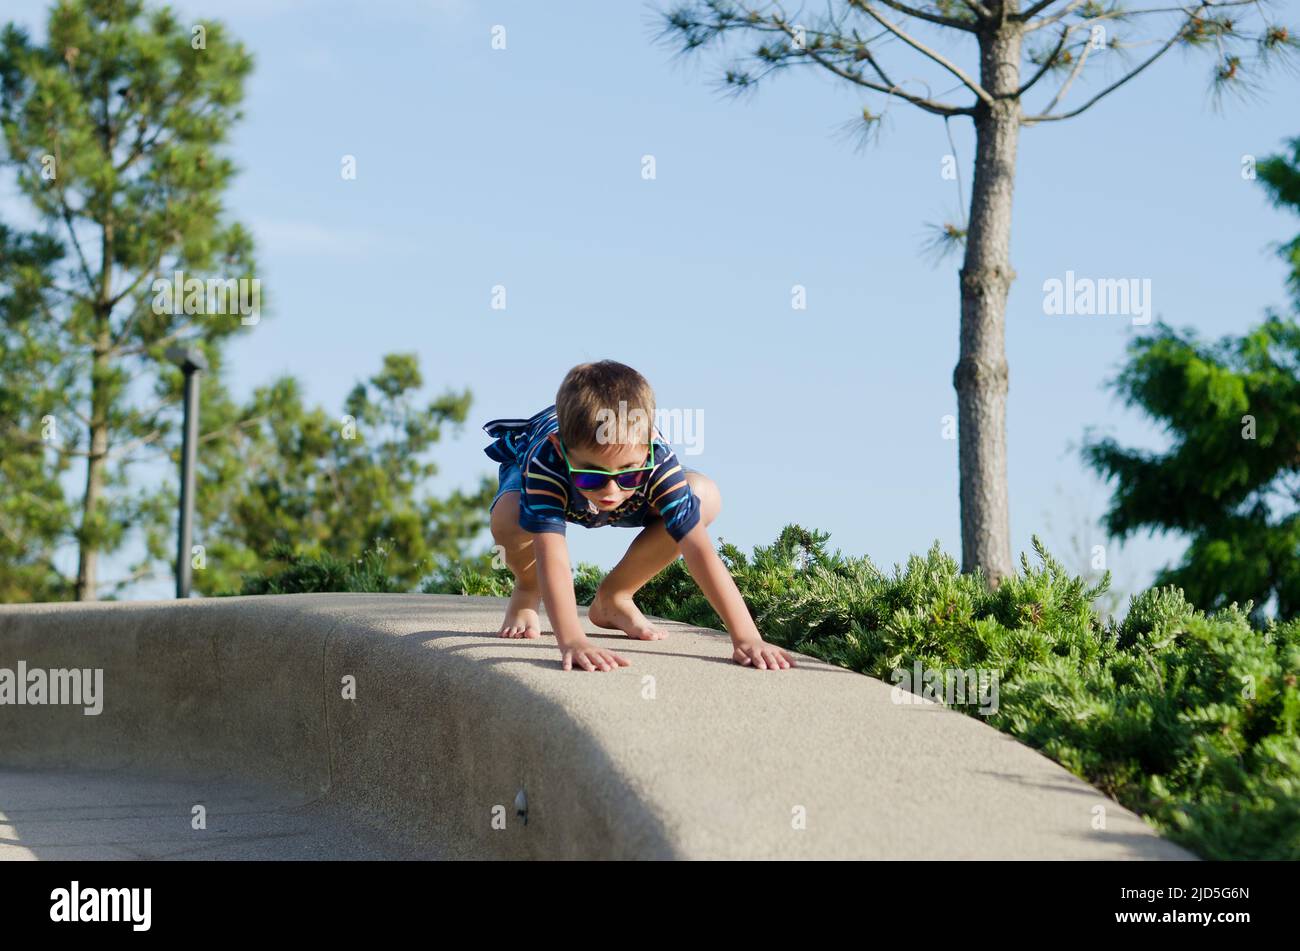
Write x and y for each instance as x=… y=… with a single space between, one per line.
x=191 y=361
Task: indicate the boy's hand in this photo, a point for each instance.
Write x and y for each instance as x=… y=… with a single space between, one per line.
x=761 y=655
x=590 y=657
x=706 y=567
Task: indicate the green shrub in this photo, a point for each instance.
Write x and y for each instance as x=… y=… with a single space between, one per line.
x=1188 y=719
x=472 y=577
x=289 y=571
x=478 y=576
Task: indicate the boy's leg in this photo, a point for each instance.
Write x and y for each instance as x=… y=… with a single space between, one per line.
x=651 y=552
x=521 y=618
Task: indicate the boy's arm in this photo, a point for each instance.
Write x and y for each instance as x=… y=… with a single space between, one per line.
x=555 y=577
x=709 y=572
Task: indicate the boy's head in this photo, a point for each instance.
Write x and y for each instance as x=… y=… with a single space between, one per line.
x=606 y=414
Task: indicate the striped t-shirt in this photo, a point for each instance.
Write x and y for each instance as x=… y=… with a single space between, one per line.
x=549 y=499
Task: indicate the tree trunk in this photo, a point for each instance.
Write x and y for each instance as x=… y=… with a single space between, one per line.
x=980 y=376
x=88 y=563
x=91 y=536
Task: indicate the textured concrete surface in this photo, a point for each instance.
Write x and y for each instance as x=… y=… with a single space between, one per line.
x=121 y=816
x=682 y=755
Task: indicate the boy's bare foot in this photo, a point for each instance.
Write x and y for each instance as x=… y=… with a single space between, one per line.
x=521 y=615
x=620 y=614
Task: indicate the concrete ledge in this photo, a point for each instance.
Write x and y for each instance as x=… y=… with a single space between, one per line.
x=682 y=755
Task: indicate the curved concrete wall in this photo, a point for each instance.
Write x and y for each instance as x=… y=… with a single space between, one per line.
x=682 y=755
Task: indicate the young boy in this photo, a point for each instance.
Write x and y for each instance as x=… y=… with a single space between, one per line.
x=593 y=458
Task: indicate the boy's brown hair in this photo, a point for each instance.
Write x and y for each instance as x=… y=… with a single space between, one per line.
x=587 y=406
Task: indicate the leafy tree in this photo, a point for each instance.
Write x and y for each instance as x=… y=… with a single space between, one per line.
x=113 y=128
x=277 y=476
x=849 y=40
x=34 y=515
x=1231 y=479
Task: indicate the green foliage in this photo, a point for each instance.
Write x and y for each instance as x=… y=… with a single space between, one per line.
x=284 y=472
x=290 y=572
x=586 y=579
x=472 y=576
x=478 y=576
x=1228 y=481
x=112 y=131
x=35 y=518
x=1188 y=719
x=1194 y=726
x=1153 y=617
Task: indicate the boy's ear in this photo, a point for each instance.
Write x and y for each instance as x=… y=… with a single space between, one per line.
x=555 y=441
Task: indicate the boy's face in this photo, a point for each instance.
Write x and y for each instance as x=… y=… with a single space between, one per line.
x=612 y=456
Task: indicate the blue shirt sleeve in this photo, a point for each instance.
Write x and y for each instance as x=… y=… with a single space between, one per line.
x=544 y=497
x=671 y=495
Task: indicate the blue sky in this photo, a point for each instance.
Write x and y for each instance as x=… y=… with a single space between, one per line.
x=522 y=167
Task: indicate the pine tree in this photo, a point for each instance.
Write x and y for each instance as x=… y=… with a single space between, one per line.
x=113 y=128
x=852 y=41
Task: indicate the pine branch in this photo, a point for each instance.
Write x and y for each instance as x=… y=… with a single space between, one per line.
x=123 y=449
x=933 y=17
x=893 y=89
x=233 y=427
x=1044 y=117
x=943 y=61
x=1038 y=8
x=1048 y=63
x=1074 y=74
x=21 y=434
x=67 y=215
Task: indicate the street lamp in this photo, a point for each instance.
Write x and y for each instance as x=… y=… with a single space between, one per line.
x=191 y=361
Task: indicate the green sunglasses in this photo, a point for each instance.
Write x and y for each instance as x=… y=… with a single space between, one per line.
x=592 y=479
